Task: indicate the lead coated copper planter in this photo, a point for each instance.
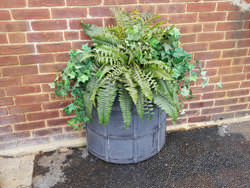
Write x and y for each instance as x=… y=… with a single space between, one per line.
x=140 y=141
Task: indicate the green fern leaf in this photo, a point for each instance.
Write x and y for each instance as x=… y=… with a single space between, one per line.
x=125 y=104
x=140 y=105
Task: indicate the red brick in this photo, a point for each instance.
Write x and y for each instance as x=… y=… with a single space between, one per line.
x=231 y=70
x=78 y=44
x=201 y=7
x=8 y=60
x=56 y=105
x=236 y=107
x=237 y=34
x=62 y=57
x=221 y=45
x=37 y=79
x=245 y=99
x=14 y=26
x=49 y=25
x=244 y=43
x=209 y=17
x=212 y=110
x=197 y=90
x=46 y=132
x=28 y=14
x=47 y=88
x=190 y=28
x=241 y=60
x=201 y=104
x=225 y=102
x=16 y=49
x=7 y=82
x=84 y=36
x=36 y=59
x=109 y=22
x=189 y=38
x=246 y=25
x=16 y=37
x=245 y=84
x=235 y=53
x=228 y=26
x=209 y=27
x=226 y=6
x=238 y=15
x=207 y=55
x=2 y=93
x=49 y=68
x=21 y=70
x=247 y=69
x=100 y=12
x=171 y=8
x=195 y=47
x=228 y=86
x=13 y=91
x=58 y=122
x=45 y=3
x=3 y=111
x=238 y=92
x=210 y=36
x=4 y=101
x=236 y=77
x=76 y=24
x=71 y=35
x=5 y=129
x=14 y=136
x=31 y=99
x=29 y=126
x=213 y=95
x=24 y=108
x=12 y=119
x=4 y=15
x=45 y=36
x=155 y=1
x=3 y=39
x=53 y=47
x=182 y=18
x=69 y=12
x=12 y=3
x=42 y=115
x=83 y=3
x=198 y=119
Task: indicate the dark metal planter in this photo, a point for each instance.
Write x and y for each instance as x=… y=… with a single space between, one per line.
x=140 y=141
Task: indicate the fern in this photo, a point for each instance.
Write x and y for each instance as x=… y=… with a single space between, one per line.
x=125 y=104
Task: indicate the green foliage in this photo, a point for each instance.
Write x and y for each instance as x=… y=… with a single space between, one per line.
x=137 y=62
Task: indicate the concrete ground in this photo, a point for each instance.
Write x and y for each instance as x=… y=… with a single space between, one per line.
x=209 y=158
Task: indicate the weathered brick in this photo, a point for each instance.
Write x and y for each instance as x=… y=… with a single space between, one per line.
x=213 y=95
x=207 y=55
x=14 y=26
x=231 y=70
x=201 y=7
x=14 y=136
x=198 y=119
x=245 y=84
x=222 y=116
x=244 y=43
x=197 y=90
x=209 y=17
x=36 y=79
x=182 y=18
x=228 y=86
x=29 y=126
x=53 y=47
x=83 y=3
x=188 y=38
x=190 y=28
x=76 y=24
x=239 y=92
x=211 y=36
x=24 y=108
x=16 y=49
x=236 y=77
x=236 y=107
x=16 y=37
x=237 y=35
x=100 y=12
x=241 y=61
x=69 y=12
x=8 y=60
x=29 y=99
x=155 y=1
x=56 y=105
x=36 y=59
x=207 y=27
x=12 y=3
x=71 y=35
x=7 y=82
x=13 y=91
x=58 y=122
x=195 y=47
x=221 y=45
x=62 y=57
x=201 y=104
x=238 y=15
x=46 y=132
x=3 y=39
x=3 y=111
x=49 y=25
x=218 y=63
x=235 y=53
x=4 y=101
x=45 y=36
x=11 y=119
x=4 y=15
x=171 y=8
x=20 y=70
x=49 y=68
x=5 y=129
x=212 y=110
x=228 y=26
x=42 y=115
x=28 y=14
x=45 y=3
x=226 y=6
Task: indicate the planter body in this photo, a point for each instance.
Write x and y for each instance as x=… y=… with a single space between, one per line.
x=140 y=141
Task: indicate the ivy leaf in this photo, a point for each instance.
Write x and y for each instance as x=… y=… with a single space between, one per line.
x=203 y=73
x=204 y=83
x=184 y=91
x=218 y=84
x=83 y=78
x=52 y=85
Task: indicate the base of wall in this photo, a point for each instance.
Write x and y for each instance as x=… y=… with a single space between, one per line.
x=80 y=142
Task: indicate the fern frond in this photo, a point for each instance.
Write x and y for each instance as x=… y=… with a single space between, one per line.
x=125 y=104
x=140 y=105
x=92 y=30
x=88 y=104
x=130 y=86
x=105 y=100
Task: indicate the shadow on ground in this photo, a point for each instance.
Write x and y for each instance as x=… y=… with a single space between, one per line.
x=206 y=158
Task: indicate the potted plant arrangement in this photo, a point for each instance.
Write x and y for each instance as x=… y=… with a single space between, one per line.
x=125 y=83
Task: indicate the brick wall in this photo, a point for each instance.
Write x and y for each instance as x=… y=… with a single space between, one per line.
x=36 y=35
